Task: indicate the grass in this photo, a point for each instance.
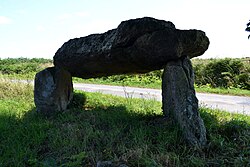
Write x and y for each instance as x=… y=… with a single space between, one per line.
x=223 y=91
x=28 y=76
x=156 y=84
x=100 y=127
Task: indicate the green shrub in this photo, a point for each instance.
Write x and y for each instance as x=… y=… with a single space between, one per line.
x=223 y=73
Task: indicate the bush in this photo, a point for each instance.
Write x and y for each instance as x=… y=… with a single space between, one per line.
x=243 y=81
x=223 y=73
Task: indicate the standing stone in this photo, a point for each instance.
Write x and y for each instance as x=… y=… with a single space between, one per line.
x=53 y=90
x=180 y=103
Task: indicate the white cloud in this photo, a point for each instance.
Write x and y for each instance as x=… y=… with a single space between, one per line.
x=21 y=11
x=40 y=28
x=4 y=20
x=67 y=16
x=81 y=14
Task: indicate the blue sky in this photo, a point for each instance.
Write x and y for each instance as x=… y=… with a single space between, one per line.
x=37 y=28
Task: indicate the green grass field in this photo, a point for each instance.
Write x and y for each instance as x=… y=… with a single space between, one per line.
x=100 y=127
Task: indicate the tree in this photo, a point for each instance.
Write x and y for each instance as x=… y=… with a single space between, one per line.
x=248 y=28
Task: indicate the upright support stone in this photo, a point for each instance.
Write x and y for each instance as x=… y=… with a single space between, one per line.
x=53 y=90
x=180 y=102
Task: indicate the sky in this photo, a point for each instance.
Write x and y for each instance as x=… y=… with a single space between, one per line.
x=38 y=28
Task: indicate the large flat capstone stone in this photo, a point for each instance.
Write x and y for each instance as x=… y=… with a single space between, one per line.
x=135 y=46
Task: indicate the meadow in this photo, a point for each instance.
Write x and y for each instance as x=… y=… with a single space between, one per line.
x=99 y=127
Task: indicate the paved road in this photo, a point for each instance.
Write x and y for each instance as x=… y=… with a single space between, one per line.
x=235 y=104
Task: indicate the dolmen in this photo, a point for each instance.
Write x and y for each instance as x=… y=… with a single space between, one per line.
x=135 y=46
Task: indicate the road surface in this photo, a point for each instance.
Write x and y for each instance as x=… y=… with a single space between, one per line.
x=234 y=104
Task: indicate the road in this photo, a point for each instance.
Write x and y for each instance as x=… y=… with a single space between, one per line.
x=234 y=104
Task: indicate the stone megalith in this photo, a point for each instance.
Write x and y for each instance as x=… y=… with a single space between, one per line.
x=179 y=100
x=53 y=90
x=135 y=46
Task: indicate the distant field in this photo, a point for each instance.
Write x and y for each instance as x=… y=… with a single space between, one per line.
x=23 y=68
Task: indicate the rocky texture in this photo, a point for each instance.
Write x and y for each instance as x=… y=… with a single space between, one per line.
x=53 y=90
x=180 y=103
x=135 y=46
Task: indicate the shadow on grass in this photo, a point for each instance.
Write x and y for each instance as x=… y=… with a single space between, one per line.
x=85 y=134
x=228 y=139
